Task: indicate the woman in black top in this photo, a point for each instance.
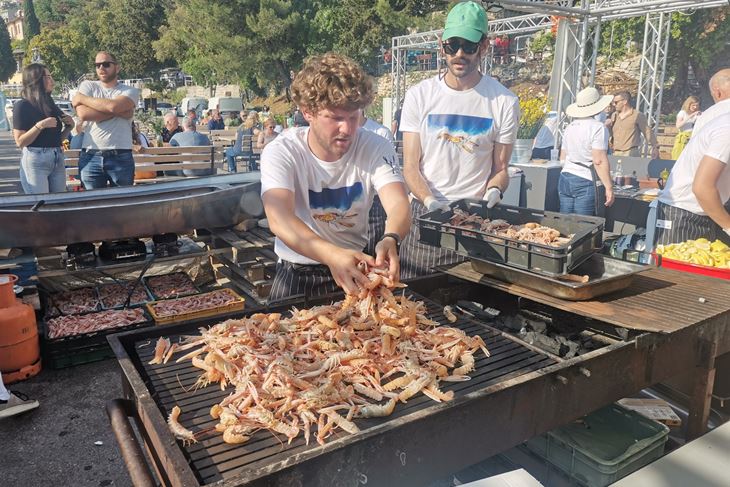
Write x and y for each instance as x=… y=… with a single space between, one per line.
x=39 y=126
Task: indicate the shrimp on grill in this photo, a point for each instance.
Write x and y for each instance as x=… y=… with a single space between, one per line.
x=313 y=371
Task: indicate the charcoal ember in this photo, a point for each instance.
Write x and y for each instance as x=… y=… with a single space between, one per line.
x=569 y=348
x=543 y=342
x=533 y=325
x=510 y=323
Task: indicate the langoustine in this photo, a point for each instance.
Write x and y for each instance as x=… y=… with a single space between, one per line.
x=315 y=371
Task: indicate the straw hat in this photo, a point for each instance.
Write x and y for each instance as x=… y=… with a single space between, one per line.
x=588 y=102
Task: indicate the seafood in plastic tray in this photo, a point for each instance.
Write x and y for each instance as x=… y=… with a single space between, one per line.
x=72 y=325
x=114 y=295
x=169 y=286
x=197 y=306
x=74 y=301
x=316 y=371
x=528 y=232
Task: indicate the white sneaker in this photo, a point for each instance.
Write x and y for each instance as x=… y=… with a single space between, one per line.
x=17 y=404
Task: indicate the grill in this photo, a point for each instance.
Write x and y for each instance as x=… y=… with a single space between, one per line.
x=212 y=460
x=516 y=394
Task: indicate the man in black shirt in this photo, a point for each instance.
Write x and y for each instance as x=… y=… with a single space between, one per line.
x=171 y=127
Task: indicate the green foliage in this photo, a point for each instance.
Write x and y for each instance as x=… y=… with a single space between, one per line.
x=31 y=25
x=55 y=12
x=542 y=41
x=702 y=35
x=616 y=34
x=127 y=29
x=66 y=50
x=7 y=62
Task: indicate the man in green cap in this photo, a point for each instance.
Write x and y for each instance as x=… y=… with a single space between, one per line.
x=458 y=131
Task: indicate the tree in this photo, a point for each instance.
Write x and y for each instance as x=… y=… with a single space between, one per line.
x=7 y=62
x=208 y=47
x=66 y=50
x=56 y=12
x=698 y=40
x=127 y=28
x=31 y=26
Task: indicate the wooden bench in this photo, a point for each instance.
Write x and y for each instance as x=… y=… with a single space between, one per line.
x=154 y=160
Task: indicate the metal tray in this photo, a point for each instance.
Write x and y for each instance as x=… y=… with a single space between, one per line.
x=605 y=275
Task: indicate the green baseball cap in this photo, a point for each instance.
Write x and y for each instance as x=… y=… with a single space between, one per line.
x=467 y=20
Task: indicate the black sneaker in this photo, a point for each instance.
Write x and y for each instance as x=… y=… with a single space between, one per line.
x=17 y=404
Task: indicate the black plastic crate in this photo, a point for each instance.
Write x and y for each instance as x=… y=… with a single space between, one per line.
x=132 y=303
x=52 y=311
x=58 y=353
x=587 y=238
x=157 y=297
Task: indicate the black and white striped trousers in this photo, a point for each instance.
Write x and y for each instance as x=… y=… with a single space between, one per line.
x=418 y=259
x=376 y=225
x=298 y=279
x=685 y=225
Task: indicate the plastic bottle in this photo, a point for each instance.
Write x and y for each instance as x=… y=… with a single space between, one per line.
x=618 y=179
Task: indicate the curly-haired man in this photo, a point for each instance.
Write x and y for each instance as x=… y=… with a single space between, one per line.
x=318 y=184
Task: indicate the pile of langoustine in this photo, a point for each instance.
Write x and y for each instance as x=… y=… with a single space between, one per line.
x=322 y=367
x=529 y=232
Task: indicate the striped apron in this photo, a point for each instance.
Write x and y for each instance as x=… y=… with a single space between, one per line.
x=418 y=259
x=675 y=225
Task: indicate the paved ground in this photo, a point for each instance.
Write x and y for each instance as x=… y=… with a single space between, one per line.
x=55 y=444
x=9 y=164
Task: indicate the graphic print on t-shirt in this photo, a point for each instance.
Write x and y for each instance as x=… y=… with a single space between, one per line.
x=460 y=130
x=332 y=205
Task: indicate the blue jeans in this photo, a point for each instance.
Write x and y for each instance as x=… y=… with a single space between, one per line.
x=99 y=168
x=42 y=170
x=231 y=154
x=577 y=195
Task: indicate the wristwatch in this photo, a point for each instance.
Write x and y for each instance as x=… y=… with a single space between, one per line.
x=395 y=237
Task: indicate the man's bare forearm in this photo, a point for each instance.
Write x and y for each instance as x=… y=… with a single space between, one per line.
x=412 y=166
x=117 y=107
x=88 y=114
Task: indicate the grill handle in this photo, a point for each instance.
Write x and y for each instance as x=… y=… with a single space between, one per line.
x=119 y=411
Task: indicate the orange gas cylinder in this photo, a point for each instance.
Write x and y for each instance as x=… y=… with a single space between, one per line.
x=19 y=353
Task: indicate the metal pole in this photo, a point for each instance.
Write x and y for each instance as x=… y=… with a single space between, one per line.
x=596 y=45
x=663 y=72
x=582 y=53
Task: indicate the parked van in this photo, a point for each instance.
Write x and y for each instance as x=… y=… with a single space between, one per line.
x=197 y=103
x=226 y=104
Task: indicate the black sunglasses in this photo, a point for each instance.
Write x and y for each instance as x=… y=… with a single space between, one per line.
x=104 y=64
x=452 y=46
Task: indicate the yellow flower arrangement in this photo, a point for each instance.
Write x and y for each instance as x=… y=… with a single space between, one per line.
x=533 y=108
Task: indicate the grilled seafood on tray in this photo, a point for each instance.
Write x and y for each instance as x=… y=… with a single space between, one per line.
x=529 y=232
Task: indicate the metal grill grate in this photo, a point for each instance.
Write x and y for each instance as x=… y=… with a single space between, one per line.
x=212 y=460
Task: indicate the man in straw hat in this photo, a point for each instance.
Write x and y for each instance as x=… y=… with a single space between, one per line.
x=585 y=156
x=458 y=131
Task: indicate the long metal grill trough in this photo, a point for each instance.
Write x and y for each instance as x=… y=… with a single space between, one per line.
x=211 y=460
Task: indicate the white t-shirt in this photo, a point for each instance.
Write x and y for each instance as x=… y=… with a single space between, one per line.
x=458 y=130
x=331 y=198
x=383 y=131
x=115 y=133
x=686 y=125
x=582 y=136
x=546 y=135
x=719 y=108
x=712 y=141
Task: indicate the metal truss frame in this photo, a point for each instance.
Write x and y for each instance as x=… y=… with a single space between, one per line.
x=653 y=66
